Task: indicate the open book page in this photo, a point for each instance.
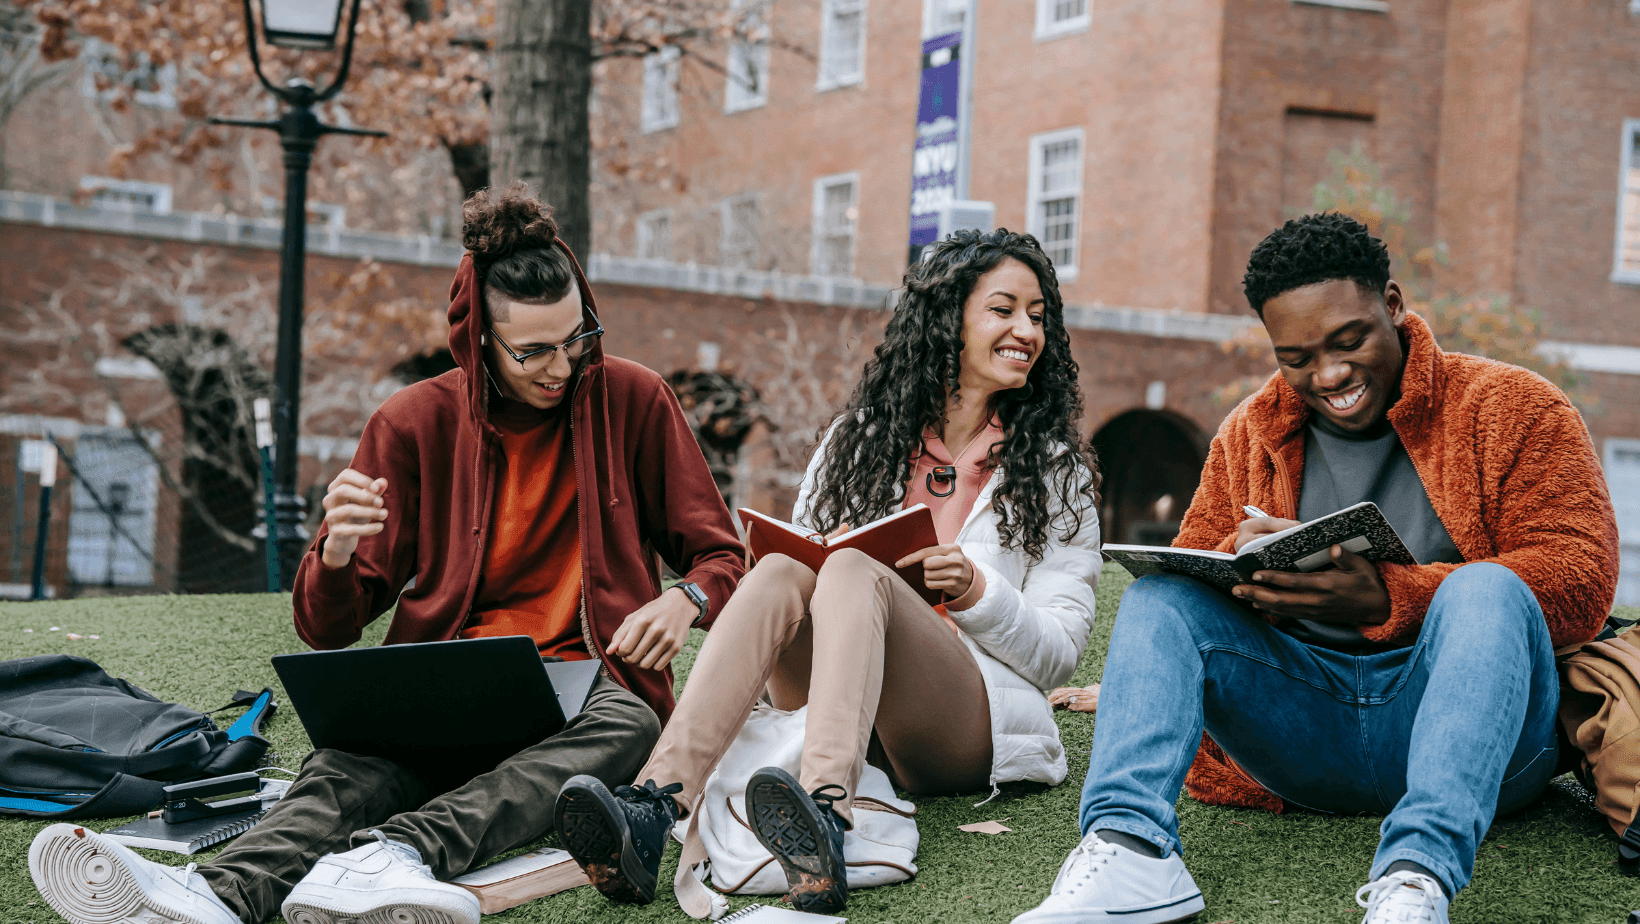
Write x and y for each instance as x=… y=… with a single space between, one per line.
x=853 y=534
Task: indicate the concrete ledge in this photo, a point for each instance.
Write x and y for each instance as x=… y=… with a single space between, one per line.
x=228 y=230
x=1593 y=357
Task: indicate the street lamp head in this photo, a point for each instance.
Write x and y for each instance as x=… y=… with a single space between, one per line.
x=310 y=24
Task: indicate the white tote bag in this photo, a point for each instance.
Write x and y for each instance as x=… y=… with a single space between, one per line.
x=719 y=841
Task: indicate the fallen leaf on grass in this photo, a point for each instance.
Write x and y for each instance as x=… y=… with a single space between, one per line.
x=985 y=827
x=1242 y=823
x=28 y=630
x=1076 y=699
x=94 y=637
x=73 y=637
x=56 y=628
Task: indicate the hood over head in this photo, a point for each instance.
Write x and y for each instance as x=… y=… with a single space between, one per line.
x=467 y=327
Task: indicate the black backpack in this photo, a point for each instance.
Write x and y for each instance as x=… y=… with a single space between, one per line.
x=77 y=743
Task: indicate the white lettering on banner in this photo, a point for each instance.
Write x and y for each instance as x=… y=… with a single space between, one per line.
x=930 y=199
x=938 y=158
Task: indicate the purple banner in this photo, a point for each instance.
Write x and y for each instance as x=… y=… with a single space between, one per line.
x=934 y=156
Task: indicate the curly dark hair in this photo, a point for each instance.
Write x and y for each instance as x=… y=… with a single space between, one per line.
x=903 y=391
x=511 y=237
x=1315 y=248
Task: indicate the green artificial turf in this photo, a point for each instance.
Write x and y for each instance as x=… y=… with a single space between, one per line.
x=1554 y=862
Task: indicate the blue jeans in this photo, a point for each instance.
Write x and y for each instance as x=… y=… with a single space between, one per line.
x=1439 y=737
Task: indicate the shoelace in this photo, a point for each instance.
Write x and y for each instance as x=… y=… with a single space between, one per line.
x=827 y=800
x=1087 y=858
x=1395 y=901
x=649 y=793
x=404 y=852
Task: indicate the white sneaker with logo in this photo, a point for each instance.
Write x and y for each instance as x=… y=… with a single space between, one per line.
x=89 y=879
x=1403 y=897
x=1105 y=882
x=386 y=881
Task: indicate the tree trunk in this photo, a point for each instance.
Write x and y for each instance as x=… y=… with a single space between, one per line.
x=540 y=130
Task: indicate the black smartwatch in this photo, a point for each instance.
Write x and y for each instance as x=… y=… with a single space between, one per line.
x=697 y=597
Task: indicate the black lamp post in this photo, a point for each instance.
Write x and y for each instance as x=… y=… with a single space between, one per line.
x=307 y=24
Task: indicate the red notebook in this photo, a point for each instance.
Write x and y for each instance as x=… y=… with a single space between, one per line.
x=887 y=540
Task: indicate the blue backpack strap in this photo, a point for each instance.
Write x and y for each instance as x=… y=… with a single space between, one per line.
x=262 y=708
x=123 y=795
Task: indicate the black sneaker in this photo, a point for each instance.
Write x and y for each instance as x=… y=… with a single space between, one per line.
x=805 y=834
x=617 y=838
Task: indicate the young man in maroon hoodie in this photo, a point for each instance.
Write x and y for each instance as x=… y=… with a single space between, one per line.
x=529 y=492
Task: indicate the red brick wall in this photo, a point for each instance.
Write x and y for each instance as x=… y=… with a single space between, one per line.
x=1582 y=80
x=1281 y=56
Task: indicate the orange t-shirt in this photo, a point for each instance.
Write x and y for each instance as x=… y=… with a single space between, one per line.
x=532 y=565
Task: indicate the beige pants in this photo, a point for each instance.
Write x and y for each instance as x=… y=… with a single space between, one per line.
x=863 y=651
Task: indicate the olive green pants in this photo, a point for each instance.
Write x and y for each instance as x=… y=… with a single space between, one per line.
x=338 y=798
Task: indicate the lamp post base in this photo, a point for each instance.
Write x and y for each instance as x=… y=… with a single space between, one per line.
x=290 y=510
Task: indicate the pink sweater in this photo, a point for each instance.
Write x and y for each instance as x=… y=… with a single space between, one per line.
x=951 y=511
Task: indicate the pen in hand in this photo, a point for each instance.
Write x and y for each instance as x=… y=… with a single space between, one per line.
x=1252 y=511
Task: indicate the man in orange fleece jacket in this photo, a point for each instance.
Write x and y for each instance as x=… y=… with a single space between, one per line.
x=1425 y=692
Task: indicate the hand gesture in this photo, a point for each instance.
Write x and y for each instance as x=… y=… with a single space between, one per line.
x=1260 y=526
x=944 y=568
x=654 y=633
x=353 y=509
x=1353 y=592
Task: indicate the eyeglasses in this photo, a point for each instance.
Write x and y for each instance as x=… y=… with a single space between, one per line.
x=574 y=348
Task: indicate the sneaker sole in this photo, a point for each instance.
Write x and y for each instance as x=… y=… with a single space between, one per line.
x=593 y=829
x=88 y=881
x=787 y=824
x=1173 y=912
x=318 y=910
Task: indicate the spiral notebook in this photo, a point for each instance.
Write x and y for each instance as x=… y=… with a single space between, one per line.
x=185 y=837
x=767 y=914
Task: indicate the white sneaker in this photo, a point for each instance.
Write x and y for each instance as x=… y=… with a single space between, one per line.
x=1106 y=882
x=89 y=879
x=1403 y=897
x=380 y=883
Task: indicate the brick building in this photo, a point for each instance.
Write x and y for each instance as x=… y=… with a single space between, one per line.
x=750 y=207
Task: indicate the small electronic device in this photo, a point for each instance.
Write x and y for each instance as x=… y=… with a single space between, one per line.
x=208 y=798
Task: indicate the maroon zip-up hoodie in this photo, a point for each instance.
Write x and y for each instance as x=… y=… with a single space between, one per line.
x=643 y=485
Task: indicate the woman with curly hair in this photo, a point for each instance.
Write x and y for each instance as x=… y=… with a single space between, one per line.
x=971 y=407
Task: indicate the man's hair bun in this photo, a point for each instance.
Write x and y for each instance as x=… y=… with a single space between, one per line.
x=494 y=227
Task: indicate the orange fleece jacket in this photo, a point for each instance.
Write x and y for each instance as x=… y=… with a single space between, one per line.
x=1508 y=466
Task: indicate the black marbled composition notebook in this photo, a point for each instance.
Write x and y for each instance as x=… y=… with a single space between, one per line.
x=1361 y=529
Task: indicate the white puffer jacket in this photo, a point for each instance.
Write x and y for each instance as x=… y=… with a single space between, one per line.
x=1027 y=630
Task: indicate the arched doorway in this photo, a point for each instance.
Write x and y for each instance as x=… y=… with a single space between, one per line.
x=1152 y=462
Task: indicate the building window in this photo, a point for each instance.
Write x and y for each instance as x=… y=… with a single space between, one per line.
x=655 y=235
x=842 y=43
x=660 y=89
x=106 y=74
x=128 y=195
x=1056 y=196
x=942 y=17
x=747 y=67
x=1627 y=266
x=836 y=214
x=1060 y=17
x=742 y=226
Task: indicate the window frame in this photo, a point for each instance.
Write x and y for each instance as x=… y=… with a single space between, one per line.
x=1034 y=197
x=1627 y=162
x=669 y=61
x=819 y=232
x=644 y=234
x=829 y=10
x=1047 y=29
x=726 y=211
x=93 y=51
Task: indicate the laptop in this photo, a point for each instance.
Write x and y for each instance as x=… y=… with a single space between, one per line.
x=465 y=702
